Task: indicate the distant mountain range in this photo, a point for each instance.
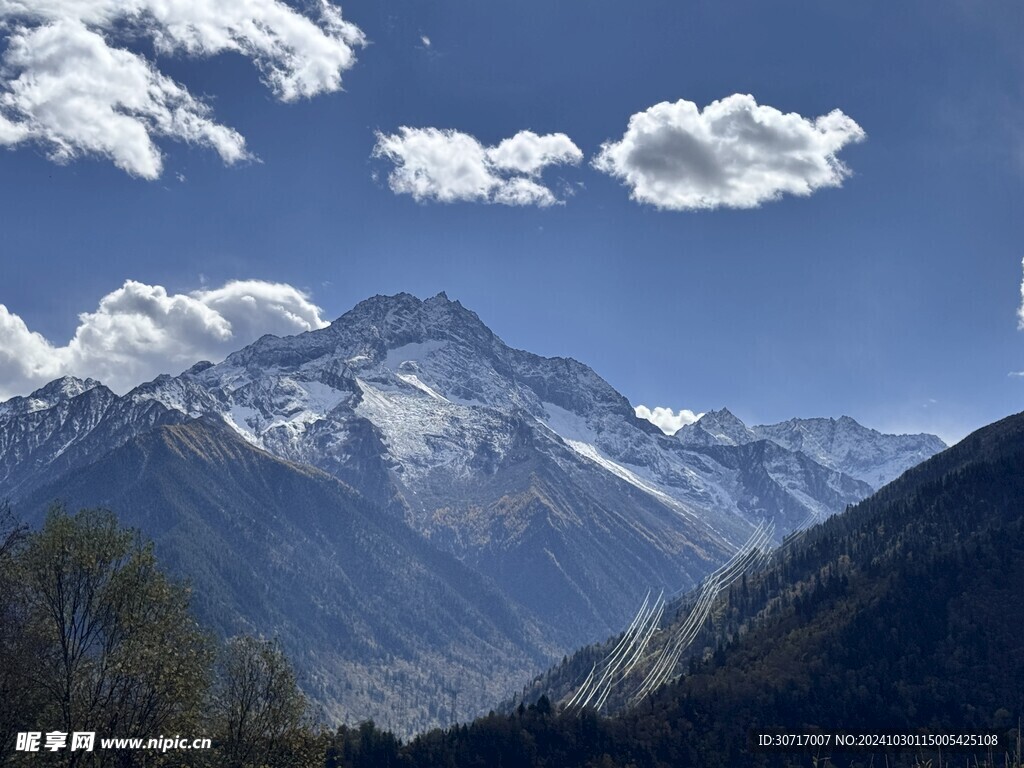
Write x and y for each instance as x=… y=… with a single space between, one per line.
x=521 y=496
x=840 y=444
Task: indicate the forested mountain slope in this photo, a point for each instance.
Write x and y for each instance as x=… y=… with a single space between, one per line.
x=380 y=622
x=902 y=614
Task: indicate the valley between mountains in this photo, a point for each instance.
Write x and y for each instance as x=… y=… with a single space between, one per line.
x=423 y=515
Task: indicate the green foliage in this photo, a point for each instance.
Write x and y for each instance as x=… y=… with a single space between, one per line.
x=94 y=638
x=364 y=745
x=16 y=652
x=258 y=712
x=106 y=643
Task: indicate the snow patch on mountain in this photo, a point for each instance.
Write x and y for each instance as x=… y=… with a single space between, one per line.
x=425 y=432
x=243 y=419
x=414 y=352
x=413 y=380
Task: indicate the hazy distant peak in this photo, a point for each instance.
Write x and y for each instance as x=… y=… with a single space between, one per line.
x=848 y=446
x=841 y=444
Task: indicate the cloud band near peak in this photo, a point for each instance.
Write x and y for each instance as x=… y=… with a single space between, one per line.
x=140 y=331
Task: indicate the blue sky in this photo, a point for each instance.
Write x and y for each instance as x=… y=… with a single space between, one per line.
x=890 y=294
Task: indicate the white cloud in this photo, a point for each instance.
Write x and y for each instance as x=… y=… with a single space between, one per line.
x=69 y=85
x=140 y=331
x=448 y=166
x=1020 y=318
x=667 y=420
x=735 y=153
x=1020 y=310
x=528 y=153
x=83 y=97
x=26 y=358
x=523 y=191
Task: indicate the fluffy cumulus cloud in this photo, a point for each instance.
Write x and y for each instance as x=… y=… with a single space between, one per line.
x=448 y=166
x=70 y=85
x=735 y=153
x=140 y=331
x=667 y=420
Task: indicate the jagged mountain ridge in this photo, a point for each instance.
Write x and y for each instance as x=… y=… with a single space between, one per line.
x=853 y=449
x=66 y=425
x=47 y=396
x=841 y=444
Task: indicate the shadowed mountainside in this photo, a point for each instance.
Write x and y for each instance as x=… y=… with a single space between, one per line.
x=378 y=620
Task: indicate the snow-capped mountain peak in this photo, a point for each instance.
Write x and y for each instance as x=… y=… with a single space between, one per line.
x=720 y=427
x=841 y=444
x=850 y=447
x=48 y=396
